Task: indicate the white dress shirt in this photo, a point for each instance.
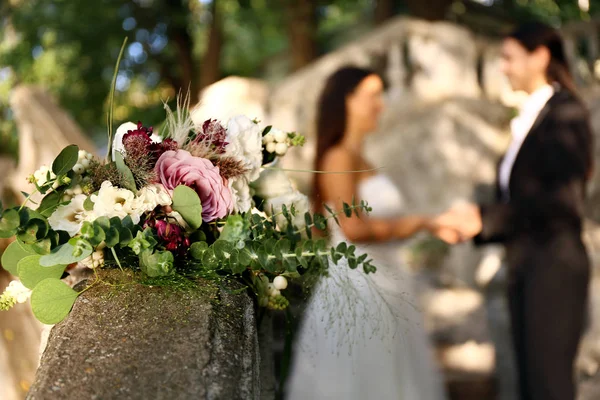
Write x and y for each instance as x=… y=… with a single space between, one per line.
x=520 y=127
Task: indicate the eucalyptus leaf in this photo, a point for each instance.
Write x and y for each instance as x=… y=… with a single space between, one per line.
x=128 y=179
x=159 y=263
x=31 y=272
x=112 y=237
x=10 y=221
x=66 y=160
x=187 y=203
x=197 y=250
x=88 y=204
x=52 y=300
x=50 y=203
x=13 y=254
x=64 y=254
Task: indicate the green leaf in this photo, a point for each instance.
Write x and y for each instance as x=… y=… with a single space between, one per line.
x=235 y=229
x=125 y=237
x=197 y=250
x=43 y=246
x=209 y=260
x=88 y=204
x=64 y=254
x=187 y=203
x=13 y=254
x=112 y=237
x=244 y=257
x=50 y=203
x=31 y=272
x=103 y=222
x=9 y=223
x=34 y=230
x=128 y=179
x=159 y=263
x=66 y=160
x=347 y=210
x=52 y=300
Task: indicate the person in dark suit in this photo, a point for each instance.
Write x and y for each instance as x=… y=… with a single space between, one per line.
x=538 y=213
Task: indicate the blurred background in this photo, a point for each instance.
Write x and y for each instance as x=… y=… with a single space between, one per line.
x=445 y=125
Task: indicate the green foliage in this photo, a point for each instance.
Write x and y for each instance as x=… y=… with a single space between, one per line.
x=187 y=203
x=75 y=250
x=52 y=300
x=66 y=160
x=127 y=181
x=31 y=272
x=13 y=254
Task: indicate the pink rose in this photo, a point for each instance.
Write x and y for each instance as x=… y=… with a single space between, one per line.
x=179 y=167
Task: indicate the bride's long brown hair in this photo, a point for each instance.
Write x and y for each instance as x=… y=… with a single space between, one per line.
x=331 y=115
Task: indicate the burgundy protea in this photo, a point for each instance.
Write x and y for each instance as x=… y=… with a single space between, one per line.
x=157 y=149
x=210 y=142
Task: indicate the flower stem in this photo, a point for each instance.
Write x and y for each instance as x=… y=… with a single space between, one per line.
x=114 y=253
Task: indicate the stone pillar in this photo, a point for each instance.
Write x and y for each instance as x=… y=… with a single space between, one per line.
x=141 y=342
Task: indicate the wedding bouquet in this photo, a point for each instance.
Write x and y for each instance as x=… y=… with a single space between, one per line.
x=194 y=201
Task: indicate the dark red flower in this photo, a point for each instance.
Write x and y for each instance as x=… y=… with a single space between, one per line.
x=172 y=235
x=157 y=149
x=214 y=133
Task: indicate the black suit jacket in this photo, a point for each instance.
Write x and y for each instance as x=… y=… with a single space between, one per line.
x=548 y=180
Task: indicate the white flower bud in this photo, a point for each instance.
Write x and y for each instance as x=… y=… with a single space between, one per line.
x=81 y=155
x=280 y=136
x=85 y=162
x=268 y=138
x=271 y=147
x=78 y=169
x=55 y=185
x=280 y=283
x=272 y=291
x=281 y=148
x=89 y=156
x=77 y=190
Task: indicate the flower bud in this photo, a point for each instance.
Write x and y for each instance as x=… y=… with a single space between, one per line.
x=281 y=148
x=280 y=136
x=271 y=147
x=78 y=169
x=280 y=283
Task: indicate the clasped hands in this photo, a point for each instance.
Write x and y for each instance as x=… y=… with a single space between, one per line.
x=460 y=223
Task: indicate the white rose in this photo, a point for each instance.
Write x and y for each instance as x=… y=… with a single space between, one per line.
x=70 y=217
x=240 y=194
x=152 y=196
x=272 y=183
x=298 y=200
x=244 y=139
x=116 y=202
x=118 y=139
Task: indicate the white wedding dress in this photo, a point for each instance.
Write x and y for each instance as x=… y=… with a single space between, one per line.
x=362 y=336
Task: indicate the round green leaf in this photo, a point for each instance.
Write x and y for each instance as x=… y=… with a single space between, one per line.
x=52 y=300
x=63 y=254
x=13 y=254
x=10 y=221
x=187 y=203
x=66 y=160
x=31 y=272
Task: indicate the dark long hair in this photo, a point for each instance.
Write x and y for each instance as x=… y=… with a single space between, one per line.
x=534 y=35
x=331 y=112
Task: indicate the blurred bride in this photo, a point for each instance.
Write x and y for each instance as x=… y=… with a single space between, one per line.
x=362 y=336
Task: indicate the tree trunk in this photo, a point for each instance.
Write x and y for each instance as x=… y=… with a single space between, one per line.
x=211 y=62
x=384 y=10
x=432 y=10
x=184 y=44
x=302 y=22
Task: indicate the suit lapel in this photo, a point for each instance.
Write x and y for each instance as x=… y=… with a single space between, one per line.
x=531 y=134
